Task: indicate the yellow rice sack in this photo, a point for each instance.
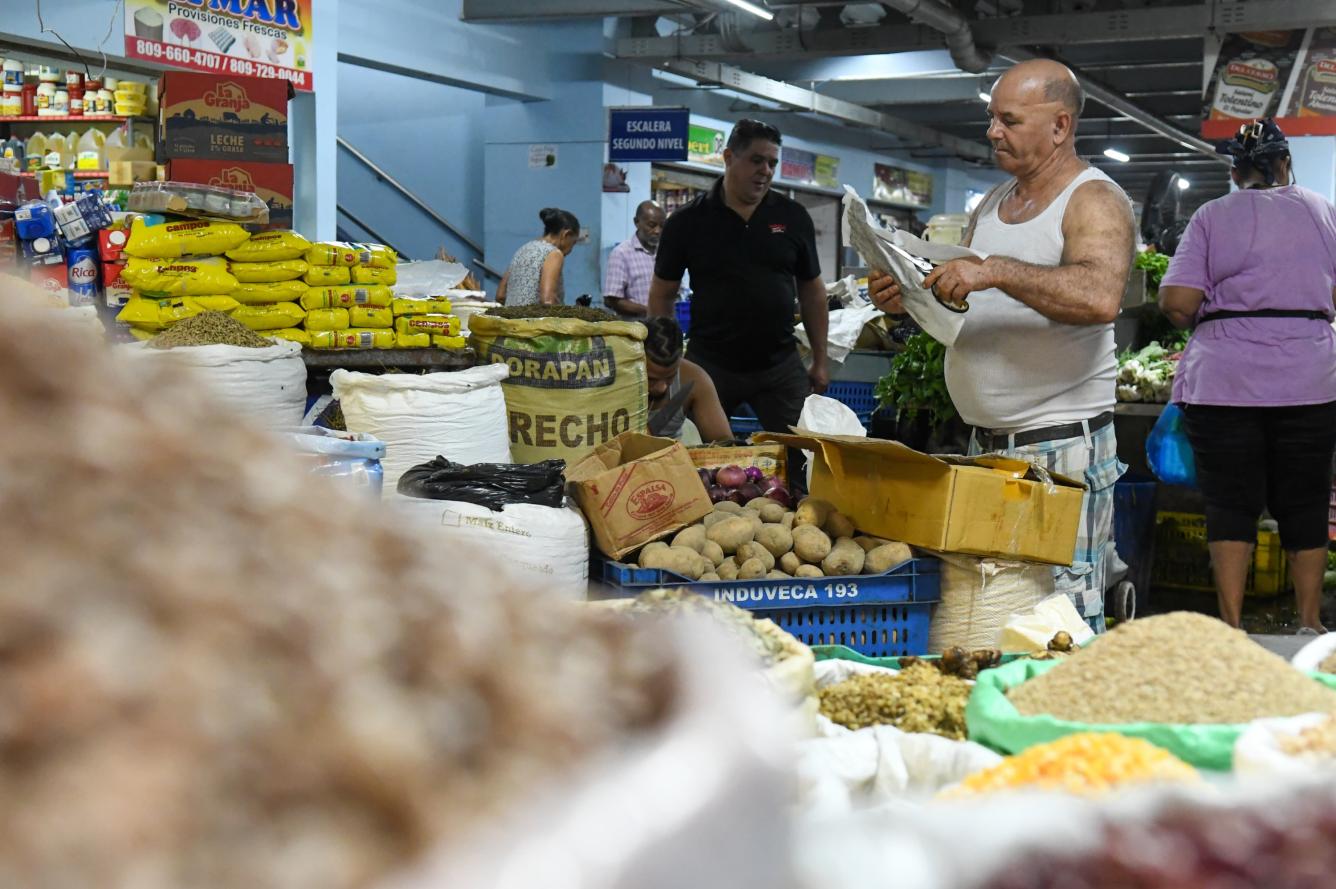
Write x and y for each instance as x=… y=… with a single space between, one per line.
x=370 y=316
x=376 y=256
x=179 y=277
x=364 y=274
x=156 y=315
x=192 y=237
x=268 y=272
x=140 y=334
x=275 y=317
x=333 y=253
x=412 y=340
x=328 y=275
x=352 y=339
x=451 y=343
x=333 y=297
x=435 y=306
x=273 y=246
x=293 y=334
x=326 y=319
x=436 y=325
x=277 y=292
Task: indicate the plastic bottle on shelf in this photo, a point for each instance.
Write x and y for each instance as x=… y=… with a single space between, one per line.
x=11 y=103
x=143 y=140
x=34 y=149
x=71 y=152
x=55 y=150
x=89 y=156
x=13 y=73
x=60 y=105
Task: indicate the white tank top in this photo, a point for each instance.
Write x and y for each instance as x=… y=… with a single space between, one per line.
x=1012 y=369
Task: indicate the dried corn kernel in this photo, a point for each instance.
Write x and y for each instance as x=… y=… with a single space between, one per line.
x=1087 y=763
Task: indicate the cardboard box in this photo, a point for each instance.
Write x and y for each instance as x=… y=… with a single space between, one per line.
x=111 y=243
x=982 y=506
x=115 y=291
x=123 y=174
x=272 y=182
x=637 y=488
x=224 y=117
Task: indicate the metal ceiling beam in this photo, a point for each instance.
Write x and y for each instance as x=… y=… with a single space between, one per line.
x=801 y=99
x=1152 y=23
x=528 y=11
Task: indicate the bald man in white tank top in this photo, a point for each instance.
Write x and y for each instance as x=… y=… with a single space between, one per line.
x=1033 y=369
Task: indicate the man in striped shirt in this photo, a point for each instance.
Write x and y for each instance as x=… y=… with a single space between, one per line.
x=631 y=265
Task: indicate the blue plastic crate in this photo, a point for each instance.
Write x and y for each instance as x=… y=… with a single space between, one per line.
x=683 y=309
x=883 y=615
x=744 y=422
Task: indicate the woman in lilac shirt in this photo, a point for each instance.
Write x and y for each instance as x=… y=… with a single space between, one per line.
x=1256 y=274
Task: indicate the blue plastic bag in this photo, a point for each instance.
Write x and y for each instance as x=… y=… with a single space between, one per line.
x=1168 y=451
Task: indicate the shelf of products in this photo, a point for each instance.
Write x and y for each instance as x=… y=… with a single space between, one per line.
x=78 y=174
x=95 y=118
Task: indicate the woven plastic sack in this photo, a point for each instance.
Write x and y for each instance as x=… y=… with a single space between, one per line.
x=995 y=722
x=571 y=385
x=267 y=385
x=1168 y=451
x=979 y=596
x=460 y=415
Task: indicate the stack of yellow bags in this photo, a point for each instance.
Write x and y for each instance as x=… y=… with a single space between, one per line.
x=177 y=270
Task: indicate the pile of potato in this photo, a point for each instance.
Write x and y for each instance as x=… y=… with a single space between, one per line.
x=764 y=540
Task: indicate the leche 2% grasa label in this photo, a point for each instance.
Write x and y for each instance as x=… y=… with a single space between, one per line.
x=757 y=593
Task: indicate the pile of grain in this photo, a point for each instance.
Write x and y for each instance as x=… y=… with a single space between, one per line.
x=920 y=698
x=1328 y=664
x=1172 y=668
x=233 y=675
x=209 y=329
x=580 y=313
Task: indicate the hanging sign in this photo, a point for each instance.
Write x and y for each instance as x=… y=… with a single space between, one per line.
x=797 y=165
x=1288 y=75
x=269 y=39
x=705 y=146
x=827 y=171
x=647 y=134
x=896 y=185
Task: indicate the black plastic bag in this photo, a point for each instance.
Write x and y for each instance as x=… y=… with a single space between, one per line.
x=493 y=485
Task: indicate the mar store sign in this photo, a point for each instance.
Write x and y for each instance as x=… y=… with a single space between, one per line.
x=251 y=38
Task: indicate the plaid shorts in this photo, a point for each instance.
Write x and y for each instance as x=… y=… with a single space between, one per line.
x=1094 y=460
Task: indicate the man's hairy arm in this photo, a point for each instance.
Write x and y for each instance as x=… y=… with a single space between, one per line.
x=1087 y=287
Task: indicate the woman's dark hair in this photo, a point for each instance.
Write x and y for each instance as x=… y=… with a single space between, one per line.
x=556 y=221
x=747 y=131
x=663 y=345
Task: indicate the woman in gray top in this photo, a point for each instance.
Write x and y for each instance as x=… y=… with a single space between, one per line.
x=534 y=275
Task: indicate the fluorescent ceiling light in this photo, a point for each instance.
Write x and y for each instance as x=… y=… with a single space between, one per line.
x=753 y=9
x=1183 y=184
x=984 y=97
x=1115 y=154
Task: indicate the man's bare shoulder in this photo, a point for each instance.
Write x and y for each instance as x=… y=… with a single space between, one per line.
x=1099 y=200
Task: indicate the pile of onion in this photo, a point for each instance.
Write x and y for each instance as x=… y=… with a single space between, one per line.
x=744 y=485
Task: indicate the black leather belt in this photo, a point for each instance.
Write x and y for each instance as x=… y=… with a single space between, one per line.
x=998 y=441
x=1264 y=313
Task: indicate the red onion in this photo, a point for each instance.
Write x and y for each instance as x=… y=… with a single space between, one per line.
x=736 y=496
x=718 y=494
x=731 y=477
x=750 y=492
x=754 y=474
x=706 y=477
x=774 y=489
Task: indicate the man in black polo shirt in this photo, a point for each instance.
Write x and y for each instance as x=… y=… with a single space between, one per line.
x=751 y=253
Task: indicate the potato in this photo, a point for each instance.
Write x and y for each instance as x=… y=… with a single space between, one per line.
x=649 y=550
x=731 y=533
x=810 y=543
x=717 y=516
x=693 y=537
x=813 y=512
x=787 y=521
x=678 y=559
x=770 y=511
x=776 y=575
x=776 y=538
x=751 y=569
x=886 y=557
x=845 y=558
x=809 y=571
x=749 y=551
x=755 y=518
x=728 y=569
x=837 y=525
x=789 y=563
x=710 y=576
x=728 y=506
x=869 y=543
x=714 y=552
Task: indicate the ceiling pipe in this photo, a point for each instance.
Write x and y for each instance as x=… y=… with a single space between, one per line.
x=959 y=38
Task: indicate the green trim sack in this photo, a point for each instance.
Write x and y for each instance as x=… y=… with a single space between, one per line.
x=992 y=720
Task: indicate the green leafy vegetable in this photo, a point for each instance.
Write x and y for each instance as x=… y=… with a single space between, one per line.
x=1155 y=264
x=917 y=382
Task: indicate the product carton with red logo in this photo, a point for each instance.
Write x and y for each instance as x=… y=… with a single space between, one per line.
x=224 y=117
x=271 y=182
x=114 y=290
x=637 y=488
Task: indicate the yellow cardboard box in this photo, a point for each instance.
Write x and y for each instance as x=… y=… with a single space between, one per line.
x=983 y=506
x=637 y=488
